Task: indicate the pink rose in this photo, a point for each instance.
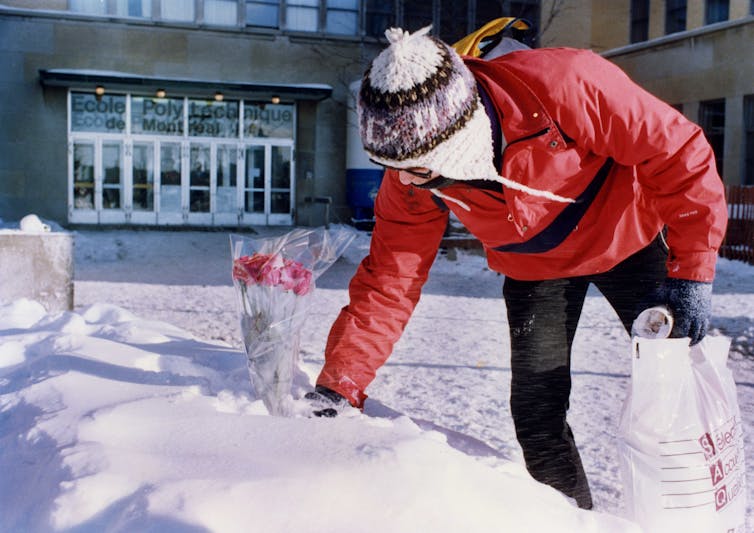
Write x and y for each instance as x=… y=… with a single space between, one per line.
x=272 y=270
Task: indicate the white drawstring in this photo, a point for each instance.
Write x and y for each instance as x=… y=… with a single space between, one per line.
x=437 y=193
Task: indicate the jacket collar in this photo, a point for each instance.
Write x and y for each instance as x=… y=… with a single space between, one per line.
x=520 y=112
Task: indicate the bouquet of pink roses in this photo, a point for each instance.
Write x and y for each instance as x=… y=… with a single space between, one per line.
x=274 y=280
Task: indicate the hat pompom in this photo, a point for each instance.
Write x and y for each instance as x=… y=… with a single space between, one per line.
x=397 y=35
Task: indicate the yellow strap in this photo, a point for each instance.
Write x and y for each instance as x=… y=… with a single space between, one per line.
x=469 y=45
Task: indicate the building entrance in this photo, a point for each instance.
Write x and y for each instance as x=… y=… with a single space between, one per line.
x=179 y=161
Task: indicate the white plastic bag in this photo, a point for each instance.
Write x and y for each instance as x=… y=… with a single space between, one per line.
x=682 y=443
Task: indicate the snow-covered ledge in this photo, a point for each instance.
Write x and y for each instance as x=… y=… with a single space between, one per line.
x=37 y=265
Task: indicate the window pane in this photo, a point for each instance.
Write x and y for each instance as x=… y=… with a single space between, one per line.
x=254 y=202
x=221 y=12
x=639 y=20
x=199 y=176
x=213 y=119
x=352 y=5
x=280 y=202
x=90 y=7
x=111 y=175
x=226 y=166
x=134 y=8
x=199 y=194
x=281 y=167
x=342 y=22
x=83 y=176
x=262 y=13
x=379 y=17
x=199 y=201
x=170 y=177
x=180 y=10
x=255 y=167
x=170 y=164
x=302 y=15
x=717 y=11
x=143 y=177
x=111 y=163
x=161 y=116
x=106 y=113
x=225 y=170
x=712 y=121
x=675 y=16
x=454 y=18
x=268 y=120
x=487 y=11
x=416 y=15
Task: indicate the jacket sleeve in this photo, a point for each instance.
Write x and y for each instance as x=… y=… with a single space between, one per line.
x=675 y=165
x=409 y=226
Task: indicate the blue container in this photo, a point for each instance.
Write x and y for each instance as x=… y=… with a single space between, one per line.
x=362 y=185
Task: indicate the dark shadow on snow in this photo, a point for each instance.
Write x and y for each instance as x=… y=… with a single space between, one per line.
x=459 y=441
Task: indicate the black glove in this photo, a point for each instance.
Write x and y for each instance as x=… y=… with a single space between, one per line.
x=326 y=402
x=690 y=302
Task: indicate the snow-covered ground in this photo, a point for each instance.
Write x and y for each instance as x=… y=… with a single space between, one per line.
x=135 y=413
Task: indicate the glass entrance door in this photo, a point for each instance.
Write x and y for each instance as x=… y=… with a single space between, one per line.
x=82 y=208
x=142 y=198
x=98 y=181
x=200 y=186
x=280 y=190
x=170 y=196
x=148 y=180
x=268 y=186
x=225 y=170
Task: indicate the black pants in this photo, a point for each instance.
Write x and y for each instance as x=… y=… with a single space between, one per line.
x=543 y=316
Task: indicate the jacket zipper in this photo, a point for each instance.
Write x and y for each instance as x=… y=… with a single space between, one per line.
x=537 y=134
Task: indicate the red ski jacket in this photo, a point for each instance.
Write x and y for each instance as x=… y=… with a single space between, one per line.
x=577 y=126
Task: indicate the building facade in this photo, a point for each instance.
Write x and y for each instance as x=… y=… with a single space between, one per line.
x=234 y=112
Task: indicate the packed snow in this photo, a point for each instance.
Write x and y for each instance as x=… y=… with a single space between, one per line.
x=135 y=411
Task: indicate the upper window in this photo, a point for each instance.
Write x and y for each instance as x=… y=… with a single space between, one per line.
x=716 y=11
x=264 y=13
x=212 y=119
x=105 y=114
x=675 y=16
x=639 y=20
x=221 y=12
x=380 y=16
x=712 y=121
x=416 y=15
x=120 y=8
x=90 y=7
x=302 y=15
x=177 y=10
x=261 y=119
x=156 y=116
x=342 y=17
x=134 y=8
x=454 y=21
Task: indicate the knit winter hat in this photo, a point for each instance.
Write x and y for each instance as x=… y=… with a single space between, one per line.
x=418 y=106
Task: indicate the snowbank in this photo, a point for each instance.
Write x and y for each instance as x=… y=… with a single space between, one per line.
x=114 y=423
